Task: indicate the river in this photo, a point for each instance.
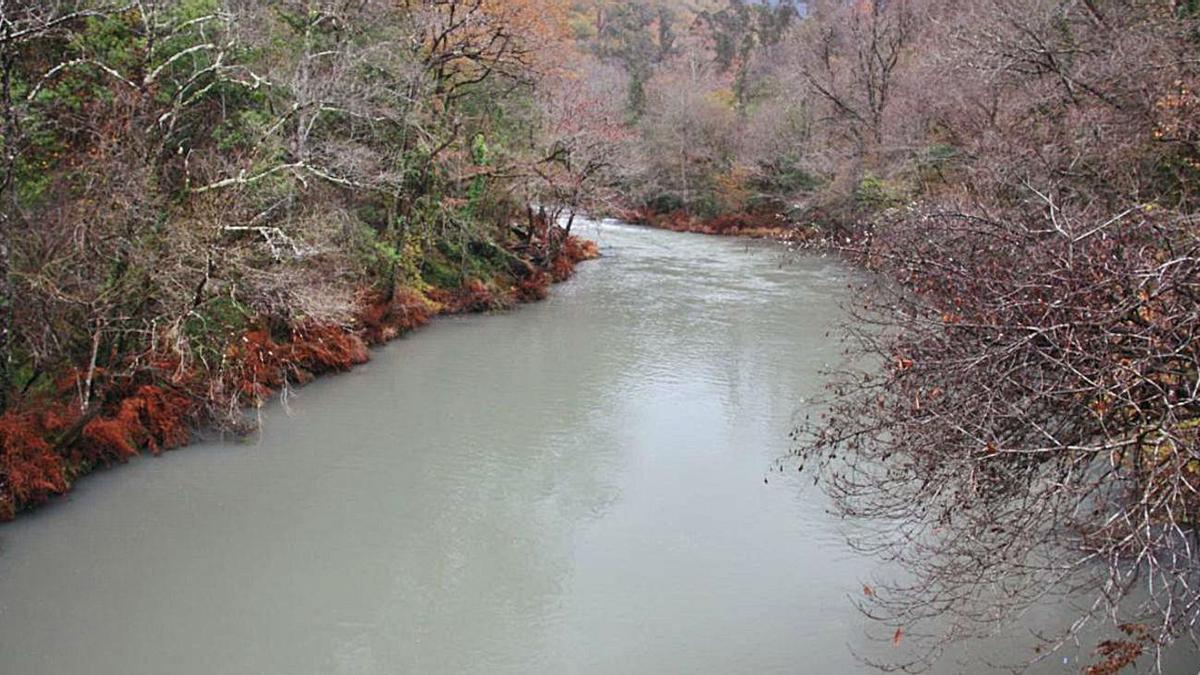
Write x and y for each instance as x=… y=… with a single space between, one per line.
x=580 y=486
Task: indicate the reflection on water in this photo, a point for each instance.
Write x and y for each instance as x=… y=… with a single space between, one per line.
x=579 y=486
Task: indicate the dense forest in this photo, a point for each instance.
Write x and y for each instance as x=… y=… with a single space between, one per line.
x=205 y=201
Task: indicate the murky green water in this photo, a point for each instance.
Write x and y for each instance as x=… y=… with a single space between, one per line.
x=576 y=487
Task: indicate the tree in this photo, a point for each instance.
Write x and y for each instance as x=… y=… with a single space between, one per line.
x=637 y=35
x=854 y=52
x=740 y=30
x=1020 y=424
x=584 y=137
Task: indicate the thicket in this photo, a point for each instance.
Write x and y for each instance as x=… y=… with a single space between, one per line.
x=204 y=201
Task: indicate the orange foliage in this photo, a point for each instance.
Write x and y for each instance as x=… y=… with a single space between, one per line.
x=468 y=41
x=110 y=439
x=254 y=366
x=166 y=417
x=152 y=417
x=754 y=225
x=320 y=349
x=574 y=250
x=732 y=189
x=541 y=25
x=743 y=223
x=562 y=268
x=32 y=468
x=259 y=366
x=384 y=319
x=374 y=319
x=534 y=287
x=472 y=297
x=1117 y=655
x=30 y=471
x=410 y=310
x=579 y=250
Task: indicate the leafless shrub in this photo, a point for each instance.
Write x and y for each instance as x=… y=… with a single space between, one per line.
x=1025 y=424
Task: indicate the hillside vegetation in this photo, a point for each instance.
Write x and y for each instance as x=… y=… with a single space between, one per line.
x=205 y=201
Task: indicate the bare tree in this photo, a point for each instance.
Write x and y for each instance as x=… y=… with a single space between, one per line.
x=584 y=132
x=854 y=52
x=1021 y=424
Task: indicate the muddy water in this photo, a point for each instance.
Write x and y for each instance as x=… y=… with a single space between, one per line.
x=580 y=486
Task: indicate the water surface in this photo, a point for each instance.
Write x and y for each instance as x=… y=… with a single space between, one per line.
x=581 y=486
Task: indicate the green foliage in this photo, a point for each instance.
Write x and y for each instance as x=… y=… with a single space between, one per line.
x=934 y=163
x=637 y=96
x=705 y=205
x=1178 y=173
x=479 y=150
x=390 y=262
x=665 y=203
x=437 y=271
x=243 y=128
x=210 y=164
x=23 y=377
x=741 y=28
x=786 y=177
x=875 y=193
x=113 y=40
x=638 y=35
x=214 y=324
x=939 y=153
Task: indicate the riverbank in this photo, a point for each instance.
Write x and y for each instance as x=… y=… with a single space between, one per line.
x=521 y=492
x=158 y=400
x=754 y=225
